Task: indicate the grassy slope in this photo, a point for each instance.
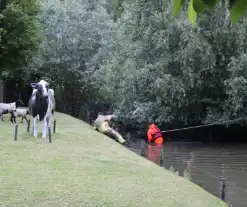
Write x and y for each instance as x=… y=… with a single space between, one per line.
x=84 y=168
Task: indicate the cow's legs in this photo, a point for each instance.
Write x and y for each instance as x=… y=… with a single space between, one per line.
x=48 y=125
x=25 y=119
x=35 y=120
x=11 y=118
x=44 y=128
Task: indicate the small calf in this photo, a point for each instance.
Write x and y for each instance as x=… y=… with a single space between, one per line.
x=20 y=112
x=2 y=112
x=9 y=107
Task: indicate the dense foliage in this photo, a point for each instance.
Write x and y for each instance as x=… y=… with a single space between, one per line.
x=72 y=37
x=168 y=72
x=19 y=34
x=149 y=65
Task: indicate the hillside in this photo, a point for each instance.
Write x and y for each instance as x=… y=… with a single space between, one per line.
x=81 y=167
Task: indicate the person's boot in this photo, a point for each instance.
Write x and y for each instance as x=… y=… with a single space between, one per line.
x=121 y=140
x=117 y=136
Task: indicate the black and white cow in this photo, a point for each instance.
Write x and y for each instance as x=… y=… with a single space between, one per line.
x=41 y=106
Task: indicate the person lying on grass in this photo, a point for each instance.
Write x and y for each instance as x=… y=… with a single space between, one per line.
x=102 y=125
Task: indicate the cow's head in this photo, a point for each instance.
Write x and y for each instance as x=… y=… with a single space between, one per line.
x=41 y=87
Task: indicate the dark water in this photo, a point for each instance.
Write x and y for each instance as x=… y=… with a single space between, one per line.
x=207 y=163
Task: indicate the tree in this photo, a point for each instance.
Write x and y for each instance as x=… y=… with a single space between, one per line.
x=19 y=34
x=72 y=36
x=156 y=69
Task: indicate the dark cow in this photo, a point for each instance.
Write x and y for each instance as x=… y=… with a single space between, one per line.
x=41 y=106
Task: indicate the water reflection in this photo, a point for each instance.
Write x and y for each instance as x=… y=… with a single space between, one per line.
x=154 y=153
x=207 y=163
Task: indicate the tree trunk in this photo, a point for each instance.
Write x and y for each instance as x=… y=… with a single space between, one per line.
x=1 y=91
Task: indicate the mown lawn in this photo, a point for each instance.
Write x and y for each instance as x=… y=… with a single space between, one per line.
x=81 y=167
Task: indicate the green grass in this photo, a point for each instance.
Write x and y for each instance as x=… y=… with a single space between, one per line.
x=81 y=167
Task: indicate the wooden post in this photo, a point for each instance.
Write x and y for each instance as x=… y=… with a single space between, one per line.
x=143 y=148
x=128 y=140
x=128 y=137
x=28 y=125
x=54 y=126
x=49 y=131
x=188 y=166
x=16 y=132
x=222 y=189
x=161 y=157
x=222 y=183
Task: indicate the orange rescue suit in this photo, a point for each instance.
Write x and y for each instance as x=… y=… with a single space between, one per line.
x=154 y=135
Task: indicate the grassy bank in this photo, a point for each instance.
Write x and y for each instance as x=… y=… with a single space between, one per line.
x=84 y=168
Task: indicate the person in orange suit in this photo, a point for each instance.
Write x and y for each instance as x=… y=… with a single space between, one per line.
x=154 y=135
x=155 y=141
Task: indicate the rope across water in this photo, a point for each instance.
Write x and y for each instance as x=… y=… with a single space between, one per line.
x=205 y=125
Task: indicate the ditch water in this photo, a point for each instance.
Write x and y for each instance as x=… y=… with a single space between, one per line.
x=207 y=163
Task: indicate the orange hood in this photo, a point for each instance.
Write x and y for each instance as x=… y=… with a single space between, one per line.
x=153 y=126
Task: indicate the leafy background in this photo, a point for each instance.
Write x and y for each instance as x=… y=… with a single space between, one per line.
x=170 y=62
